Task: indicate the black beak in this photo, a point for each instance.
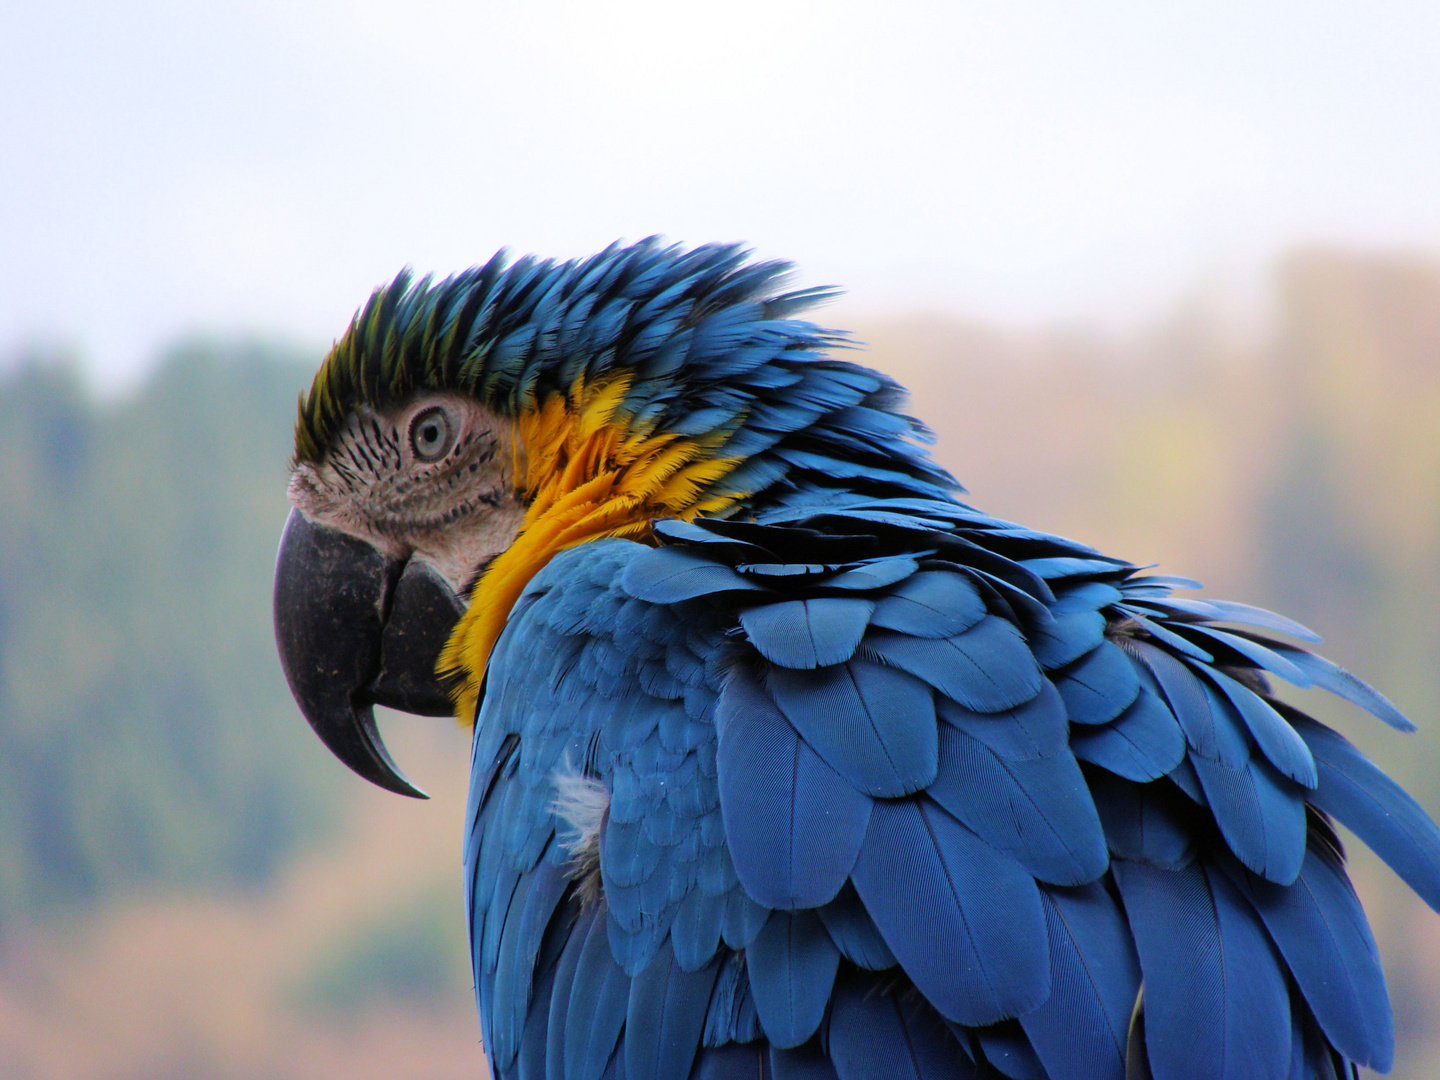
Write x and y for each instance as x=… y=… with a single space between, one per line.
x=356 y=629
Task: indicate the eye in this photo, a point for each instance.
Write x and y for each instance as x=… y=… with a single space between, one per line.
x=431 y=434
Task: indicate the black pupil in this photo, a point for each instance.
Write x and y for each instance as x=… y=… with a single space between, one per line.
x=430 y=435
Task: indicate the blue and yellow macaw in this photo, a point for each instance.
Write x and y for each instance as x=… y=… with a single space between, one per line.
x=787 y=762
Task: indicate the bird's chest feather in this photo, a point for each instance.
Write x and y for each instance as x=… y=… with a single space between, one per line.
x=594 y=782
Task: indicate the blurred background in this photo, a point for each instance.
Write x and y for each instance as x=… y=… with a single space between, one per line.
x=1167 y=281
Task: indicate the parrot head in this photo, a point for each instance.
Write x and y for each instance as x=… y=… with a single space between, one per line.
x=463 y=432
x=388 y=528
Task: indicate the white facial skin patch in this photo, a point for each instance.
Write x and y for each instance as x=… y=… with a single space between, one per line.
x=432 y=479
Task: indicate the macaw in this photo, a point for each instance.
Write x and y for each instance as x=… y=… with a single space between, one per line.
x=786 y=761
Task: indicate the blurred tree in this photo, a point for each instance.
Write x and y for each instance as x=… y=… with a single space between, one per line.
x=147 y=733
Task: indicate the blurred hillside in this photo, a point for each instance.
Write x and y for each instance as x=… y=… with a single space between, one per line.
x=189 y=887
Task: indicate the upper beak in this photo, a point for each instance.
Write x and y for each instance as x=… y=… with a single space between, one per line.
x=356 y=629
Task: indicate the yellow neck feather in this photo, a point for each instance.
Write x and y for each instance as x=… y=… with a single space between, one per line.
x=587 y=473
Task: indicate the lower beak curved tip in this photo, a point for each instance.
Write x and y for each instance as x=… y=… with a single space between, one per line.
x=374 y=762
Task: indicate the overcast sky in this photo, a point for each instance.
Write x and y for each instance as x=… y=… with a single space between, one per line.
x=174 y=165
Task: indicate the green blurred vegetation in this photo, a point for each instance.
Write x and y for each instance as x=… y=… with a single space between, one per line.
x=148 y=736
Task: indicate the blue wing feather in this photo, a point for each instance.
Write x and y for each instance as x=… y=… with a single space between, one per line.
x=668 y=575
x=665 y=1017
x=800 y=1063
x=1067 y=637
x=794 y=827
x=734 y=1061
x=1038 y=809
x=1038 y=728
x=1143 y=743
x=743 y=919
x=1338 y=681
x=811 y=633
x=534 y=1041
x=875 y=1037
x=792 y=964
x=1259 y=655
x=855 y=933
x=1099 y=686
x=1143 y=822
x=872 y=724
x=561 y=990
x=1211 y=728
x=1184 y=777
x=1086 y=596
x=964 y=920
x=596 y=1009
x=731 y=1016
x=987 y=668
x=1157 y=629
x=1080 y=1031
x=1278 y=741
x=519 y=956
x=931 y=604
x=1260 y=813
x=695 y=931
x=875 y=575
x=506 y=885
x=1242 y=614
x=1321 y=932
x=1374 y=808
x=1216 y=1004
x=1008 y=1051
